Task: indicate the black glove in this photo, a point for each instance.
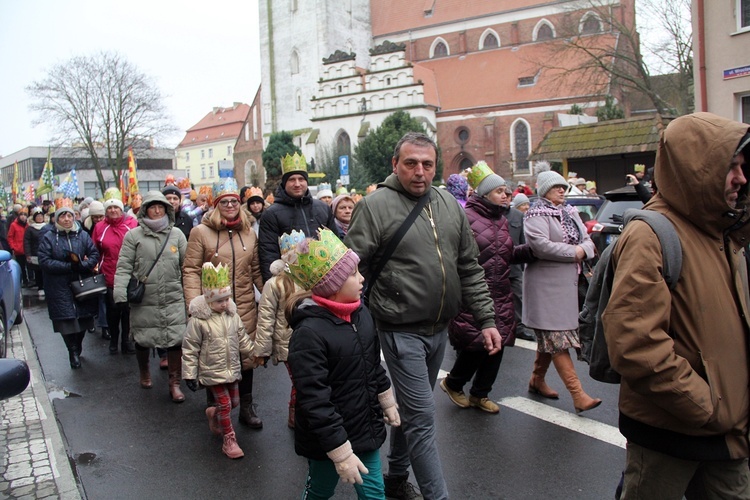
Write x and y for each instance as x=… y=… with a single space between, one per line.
x=191 y=384
x=76 y=267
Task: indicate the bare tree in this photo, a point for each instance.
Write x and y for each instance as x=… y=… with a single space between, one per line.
x=102 y=104
x=597 y=44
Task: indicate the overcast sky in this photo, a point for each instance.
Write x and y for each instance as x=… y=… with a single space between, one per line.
x=200 y=54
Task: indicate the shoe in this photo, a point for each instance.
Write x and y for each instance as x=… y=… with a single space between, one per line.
x=484 y=404
x=213 y=422
x=163 y=363
x=247 y=412
x=399 y=488
x=105 y=334
x=525 y=335
x=128 y=347
x=75 y=361
x=92 y=329
x=458 y=397
x=174 y=360
x=41 y=293
x=113 y=349
x=230 y=446
x=537 y=385
x=143 y=371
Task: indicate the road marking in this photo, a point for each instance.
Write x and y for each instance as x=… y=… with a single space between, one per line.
x=582 y=425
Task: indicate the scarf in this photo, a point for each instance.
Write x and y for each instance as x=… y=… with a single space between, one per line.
x=564 y=213
x=37 y=225
x=156 y=225
x=232 y=224
x=339 y=309
x=65 y=229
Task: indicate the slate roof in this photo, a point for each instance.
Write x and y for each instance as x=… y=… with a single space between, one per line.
x=630 y=135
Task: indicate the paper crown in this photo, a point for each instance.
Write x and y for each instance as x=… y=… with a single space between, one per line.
x=63 y=202
x=256 y=192
x=341 y=190
x=324 y=185
x=213 y=277
x=289 y=241
x=208 y=193
x=590 y=185
x=169 y=181
x=309 y=260
x=112 y=193
x=478 y=173
x=294 y=163
x=225 y=186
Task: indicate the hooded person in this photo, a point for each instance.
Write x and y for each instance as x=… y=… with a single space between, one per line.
x=225 y=236
x=293 y=208
x=158 y=321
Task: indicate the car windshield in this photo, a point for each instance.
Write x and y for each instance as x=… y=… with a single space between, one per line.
x=612 y=211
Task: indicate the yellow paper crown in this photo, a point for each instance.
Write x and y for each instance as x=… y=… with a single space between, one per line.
x=294 y=163
x=112 y=193
x=478 y=173
x=213 y=277
x=312 y=259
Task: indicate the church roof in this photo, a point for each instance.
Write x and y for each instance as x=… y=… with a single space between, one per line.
x=396 y=16
x=492 y=78
x=220 y=124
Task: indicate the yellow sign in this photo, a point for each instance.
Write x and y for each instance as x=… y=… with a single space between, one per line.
x=316 y=174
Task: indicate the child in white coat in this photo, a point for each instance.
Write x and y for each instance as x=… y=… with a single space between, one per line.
x=214 y=350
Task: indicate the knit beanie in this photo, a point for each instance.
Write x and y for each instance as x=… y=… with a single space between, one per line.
x=547 y=180
x=519 y=199
x=96 y=208
x=63 y=210
x=489 y=184
x=113 y=202
x=171 y=190
x=334 y=279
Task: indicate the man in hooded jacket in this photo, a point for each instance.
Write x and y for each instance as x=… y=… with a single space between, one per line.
x=683 y=354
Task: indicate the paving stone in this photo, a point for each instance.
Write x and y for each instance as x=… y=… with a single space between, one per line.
x=16 y=485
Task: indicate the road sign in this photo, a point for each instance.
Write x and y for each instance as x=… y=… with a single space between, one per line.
x=344 y=165
x=344 y=180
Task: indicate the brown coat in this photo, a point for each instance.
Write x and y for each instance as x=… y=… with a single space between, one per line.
x=683 y=356
x=211 y=241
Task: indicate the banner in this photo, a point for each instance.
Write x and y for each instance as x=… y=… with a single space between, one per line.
x=46 y=181
x=132 y=178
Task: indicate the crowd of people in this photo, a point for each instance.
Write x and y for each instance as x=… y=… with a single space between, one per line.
x=231 y=281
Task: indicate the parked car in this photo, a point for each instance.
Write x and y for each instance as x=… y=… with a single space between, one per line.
x=606 y=227
x=14 y=377
x=11 y=303
x=587 y=206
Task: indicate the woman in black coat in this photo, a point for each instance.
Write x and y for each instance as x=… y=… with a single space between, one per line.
x=66 y=253
x=31 y=239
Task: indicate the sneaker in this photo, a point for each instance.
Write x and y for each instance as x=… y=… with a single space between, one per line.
x=399 y=488
x=483 y=404
x=458 y=397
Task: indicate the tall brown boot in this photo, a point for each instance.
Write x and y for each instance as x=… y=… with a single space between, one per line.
x=145 y=373
x=537 y=385
x=174 y=361
x=567 y=372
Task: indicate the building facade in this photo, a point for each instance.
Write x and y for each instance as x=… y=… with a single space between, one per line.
x=248 y=150
x=208 y=146
x=721 y=37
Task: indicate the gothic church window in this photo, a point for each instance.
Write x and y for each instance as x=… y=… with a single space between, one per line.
x=295 y=62
x=343 y=144
x=439 y=48
x=520 y=143
x=544 y=31
x=590 y=24
x=489 y=40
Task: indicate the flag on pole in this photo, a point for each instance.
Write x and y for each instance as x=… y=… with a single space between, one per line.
x=46 y=181
x=132 y=179
x=69 y=187
x=30 y=192
x=14 y=186
x=123 y=191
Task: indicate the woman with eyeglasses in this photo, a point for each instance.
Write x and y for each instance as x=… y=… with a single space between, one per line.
x=226 y=236
x=159 y=321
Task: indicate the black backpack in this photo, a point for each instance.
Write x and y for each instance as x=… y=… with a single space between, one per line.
x=590 y=328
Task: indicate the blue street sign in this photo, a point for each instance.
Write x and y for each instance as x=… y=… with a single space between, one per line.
x=344 y=165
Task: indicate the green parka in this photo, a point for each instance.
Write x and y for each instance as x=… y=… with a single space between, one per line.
x=158 y=321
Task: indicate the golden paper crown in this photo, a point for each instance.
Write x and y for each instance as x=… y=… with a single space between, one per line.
x=478 y=173
x=312 y=259
x=208 y=192
x=226 y=186
x=256 y=191
x=63 y=202
x=213 y=277
x=294 y=163
x=183 y=183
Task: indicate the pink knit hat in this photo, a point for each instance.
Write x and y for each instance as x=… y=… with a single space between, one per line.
x=334 y=279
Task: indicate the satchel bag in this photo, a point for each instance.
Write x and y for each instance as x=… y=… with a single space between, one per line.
x=136 y=287
x=86 y=288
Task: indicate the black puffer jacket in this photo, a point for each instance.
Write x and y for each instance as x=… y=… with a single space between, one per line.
x=183 y=222
x=338 y=376
x=55 y=248
x=285 y=215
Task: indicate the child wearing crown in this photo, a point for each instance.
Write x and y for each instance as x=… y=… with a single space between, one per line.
x=343 y=393
x=215 y=348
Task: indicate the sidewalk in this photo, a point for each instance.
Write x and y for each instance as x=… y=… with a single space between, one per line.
x=33 y=461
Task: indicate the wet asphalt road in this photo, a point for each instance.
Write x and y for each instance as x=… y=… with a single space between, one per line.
x=126 y=442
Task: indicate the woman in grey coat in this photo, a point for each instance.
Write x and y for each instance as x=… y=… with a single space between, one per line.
x=560 y=242
x=160 y=319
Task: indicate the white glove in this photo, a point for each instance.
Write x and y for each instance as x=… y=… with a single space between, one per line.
x=390 y=408
x=348 y=465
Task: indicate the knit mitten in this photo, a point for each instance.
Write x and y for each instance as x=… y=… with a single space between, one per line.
x=348 y=466
x=390 y=408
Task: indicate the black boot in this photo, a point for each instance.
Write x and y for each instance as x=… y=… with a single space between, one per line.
x=71 y=344
x=400 y=488
x=105 y=333
x=79 y=342
x=114 y=341
x=247 y=412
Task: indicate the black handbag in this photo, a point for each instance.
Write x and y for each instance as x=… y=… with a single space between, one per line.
x=86 y=288
x=137 y=287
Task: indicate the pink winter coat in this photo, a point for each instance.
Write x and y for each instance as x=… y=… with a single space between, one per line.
x=108 y=235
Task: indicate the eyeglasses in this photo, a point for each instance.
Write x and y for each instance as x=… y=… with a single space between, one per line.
x=226 y=203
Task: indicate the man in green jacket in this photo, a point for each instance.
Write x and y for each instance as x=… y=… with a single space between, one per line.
x=420 y=289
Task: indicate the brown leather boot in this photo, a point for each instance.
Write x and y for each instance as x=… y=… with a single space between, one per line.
x=247 y=412
x=537 y=385
x=230 y=446
x=213 y=421
x=567 y=371
x=145 y=373
x=174 y=360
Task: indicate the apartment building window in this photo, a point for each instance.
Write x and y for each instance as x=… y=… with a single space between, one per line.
x=745 y=109
x=210 y=170
x=203 y=171
x=210 y=152
x=187 y=156
x=203 y=154
x=229 y=150
x=743 y=13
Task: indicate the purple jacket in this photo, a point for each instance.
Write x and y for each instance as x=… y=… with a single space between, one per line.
x=496 y=253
